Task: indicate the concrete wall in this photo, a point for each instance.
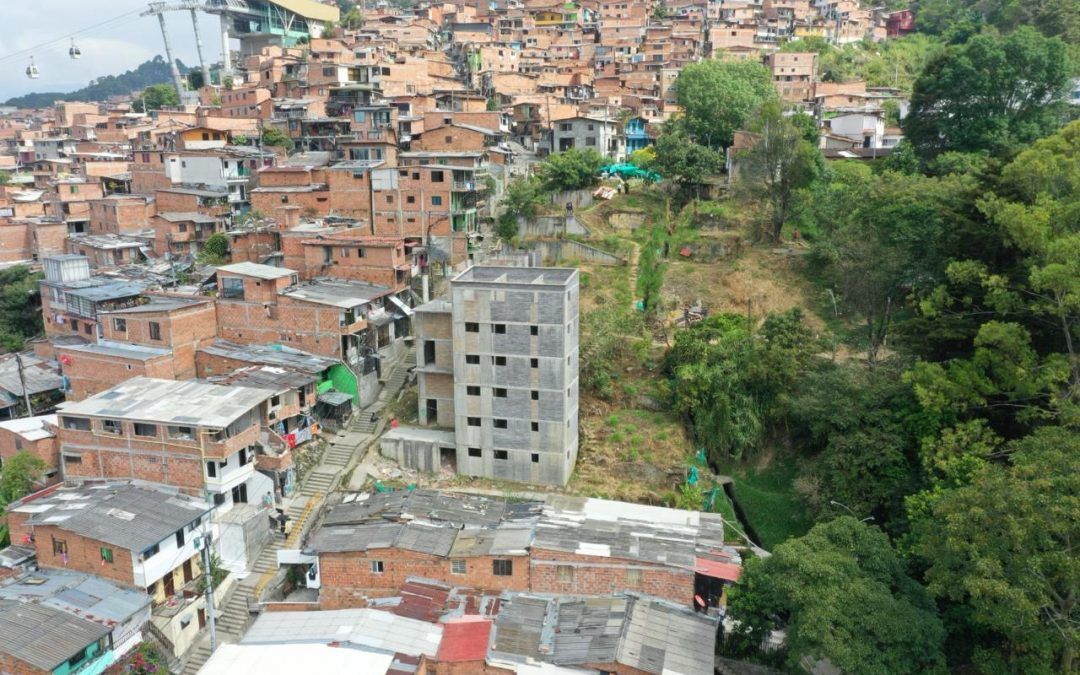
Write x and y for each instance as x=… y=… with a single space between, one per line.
x=565 y=249
x=516 y=392
x=551 y=226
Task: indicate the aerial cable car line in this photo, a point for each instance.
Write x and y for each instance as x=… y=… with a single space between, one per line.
x=67 y=36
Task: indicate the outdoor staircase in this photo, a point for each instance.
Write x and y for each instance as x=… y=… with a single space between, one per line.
x=200 y=654
x=232 y=621
x=318 y=482
x=396 y=376
x=338 y=455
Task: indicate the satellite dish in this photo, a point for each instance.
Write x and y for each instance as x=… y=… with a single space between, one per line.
x=32 y=70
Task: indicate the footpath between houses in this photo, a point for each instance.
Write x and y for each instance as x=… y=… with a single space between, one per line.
x=348 y=454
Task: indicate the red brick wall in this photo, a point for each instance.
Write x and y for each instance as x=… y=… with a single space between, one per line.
x=44 y=449
x=302 y=325
x=9 y=665
x=16 y=241
x=182 y=330
x=159 y=460
x=83 y=554
x=252 y=246
x=594 y=575
x=347 y=579
x=89 y=374
x=377 y=266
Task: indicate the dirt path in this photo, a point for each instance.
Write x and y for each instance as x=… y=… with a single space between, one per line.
x=635 y=256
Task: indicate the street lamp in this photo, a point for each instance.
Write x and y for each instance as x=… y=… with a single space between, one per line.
x=848 y=509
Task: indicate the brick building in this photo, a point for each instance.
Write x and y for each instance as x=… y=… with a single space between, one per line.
x=201 y=438
x=793 y=74
x=71 y=298
x=147 y=537
x=157 y=337
x=121 y=214
x=368 y=547
x=354 y=255
x=351 y=321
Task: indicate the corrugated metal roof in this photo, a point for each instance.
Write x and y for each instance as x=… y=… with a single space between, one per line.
x=524 y=628
x=588 y=630
x=83 y=595
x=131 y=517
x=660 y=637
x=43 y=636
x=186 y=402
x=369 y=628
x=465 y=639
x=271 y=355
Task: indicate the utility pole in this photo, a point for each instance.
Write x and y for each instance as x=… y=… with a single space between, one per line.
x=22 y=383
x=209 y=592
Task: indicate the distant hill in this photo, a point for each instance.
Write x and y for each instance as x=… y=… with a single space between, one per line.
x=154 y=71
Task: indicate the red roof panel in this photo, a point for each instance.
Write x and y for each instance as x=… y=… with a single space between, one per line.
x=465 y=639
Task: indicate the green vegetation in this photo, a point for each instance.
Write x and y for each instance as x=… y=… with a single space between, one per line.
x=155 y=97
x=20 y=317
x=154 y=71
x=893 y=63
x=682 y=160
x=5 y=177
x=842 y=595
x=957 y=106
x=769 y=498
x=20 y=473
x=779 y=166
x=272 y=136
x=522 y=199
x=214 y=250
x=571 y=170
x=719 y=97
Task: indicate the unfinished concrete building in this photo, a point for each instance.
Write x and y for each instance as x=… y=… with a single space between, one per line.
x=499 y=362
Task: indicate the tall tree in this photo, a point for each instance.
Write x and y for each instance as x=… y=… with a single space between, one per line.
x=158 y=96
x=990 y=94
x=841 y=596
x=20 y=315
x=571 y=170
x=778 y=166
x=1003 y=548
x=718 y=98
x=21 y=471
x=682 y=160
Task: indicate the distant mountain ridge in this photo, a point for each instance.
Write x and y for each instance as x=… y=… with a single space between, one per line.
x=154 y=71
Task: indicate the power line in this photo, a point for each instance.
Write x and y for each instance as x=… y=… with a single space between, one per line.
x=68 y=36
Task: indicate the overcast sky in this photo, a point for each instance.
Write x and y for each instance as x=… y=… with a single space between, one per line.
x=108 y=50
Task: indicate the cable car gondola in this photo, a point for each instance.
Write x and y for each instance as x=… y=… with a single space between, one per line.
x=32 y=70
x=74 y=51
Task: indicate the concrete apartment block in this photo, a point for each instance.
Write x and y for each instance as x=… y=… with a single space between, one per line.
x=515 y=364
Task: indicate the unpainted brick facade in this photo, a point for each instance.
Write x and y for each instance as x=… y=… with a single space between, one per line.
x=348 y=578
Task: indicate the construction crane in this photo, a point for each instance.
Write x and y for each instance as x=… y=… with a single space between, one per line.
x=158 y=9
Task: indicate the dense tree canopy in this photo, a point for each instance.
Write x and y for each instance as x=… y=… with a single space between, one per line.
x=779 y=165
x=718 y=98
x=1002 y=547
x=842 y=596
x=157 y=96
x=20 y=317
x=990 y=94
x=571 y=170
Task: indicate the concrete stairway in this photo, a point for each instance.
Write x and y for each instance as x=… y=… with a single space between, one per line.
x=338 y=455
x=319 y=481
x=232 y=621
